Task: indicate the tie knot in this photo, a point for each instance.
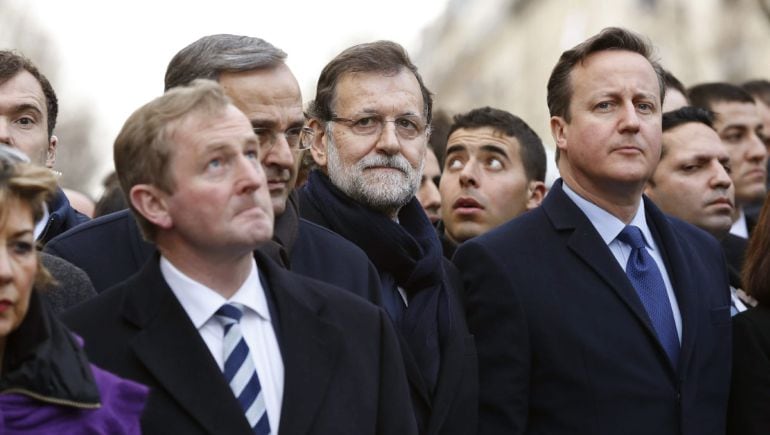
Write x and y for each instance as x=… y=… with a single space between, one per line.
x=230 y=313
x=632 y=235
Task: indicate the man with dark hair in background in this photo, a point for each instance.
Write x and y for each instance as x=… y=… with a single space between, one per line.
x=28 y=111
x=692 y=182
x=428 y=193
x=254 y=75
x=371 y=115
x=676 y=94
x=494 y=170
x=595 y=313
x=738 y=124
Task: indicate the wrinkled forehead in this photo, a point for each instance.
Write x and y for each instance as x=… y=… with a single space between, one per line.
x=386 y=93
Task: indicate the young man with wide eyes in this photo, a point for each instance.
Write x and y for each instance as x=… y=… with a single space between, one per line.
x=494 y=171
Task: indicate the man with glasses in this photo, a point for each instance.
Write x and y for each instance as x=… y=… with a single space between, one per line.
x=371 y=116
x=254 y=76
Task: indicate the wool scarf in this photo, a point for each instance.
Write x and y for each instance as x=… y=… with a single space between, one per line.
x=409 y=250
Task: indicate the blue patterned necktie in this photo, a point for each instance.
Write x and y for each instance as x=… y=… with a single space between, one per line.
x=646 y=278
x=239 y=369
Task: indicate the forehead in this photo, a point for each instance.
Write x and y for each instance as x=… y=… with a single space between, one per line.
x=271 y=93
x=733 y=113
x=378 y=92
x=198 y=131
x=23 y=88
x=475 y=139
x=614 y=71
x=693 y=139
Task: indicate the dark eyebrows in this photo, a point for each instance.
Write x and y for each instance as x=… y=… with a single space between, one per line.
x=455 y=149
x=27 y=107
x=494 y=149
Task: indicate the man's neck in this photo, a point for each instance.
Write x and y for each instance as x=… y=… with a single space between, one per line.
x=222 y=273
x=620 y=201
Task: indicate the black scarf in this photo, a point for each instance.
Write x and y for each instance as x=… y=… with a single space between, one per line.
x=409 y=250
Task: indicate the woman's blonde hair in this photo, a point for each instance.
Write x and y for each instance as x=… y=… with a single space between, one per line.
x=32 y=185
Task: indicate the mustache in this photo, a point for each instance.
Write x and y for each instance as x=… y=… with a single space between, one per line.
x=275 y=173
x=378 y=160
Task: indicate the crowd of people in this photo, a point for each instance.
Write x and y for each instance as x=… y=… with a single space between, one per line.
x=352 y=267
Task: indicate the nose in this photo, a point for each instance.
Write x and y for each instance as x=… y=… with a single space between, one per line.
x=251 y=176
x=430 y=197
x=469 y=174
x=6 y=274
x=629 y=121
x=720 y=178
x=388 y=142
x=5 y=131
x=756 y=151
x=280 y=154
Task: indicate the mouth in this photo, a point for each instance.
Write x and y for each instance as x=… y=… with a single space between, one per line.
x=722 y=202
x=277 y=184
x=4 y=305
x=467 y=205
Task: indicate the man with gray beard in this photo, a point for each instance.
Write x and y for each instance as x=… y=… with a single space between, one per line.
x=371 y=117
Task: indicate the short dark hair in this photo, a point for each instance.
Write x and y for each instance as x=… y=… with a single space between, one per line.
x=672 y=82
x=686 y=115
x=531 y=149
x=760 y=89
x=610 y=38
x=756 y=268
x=211 y=55
x=381 y=56
x=12 y=63
x=707 y=94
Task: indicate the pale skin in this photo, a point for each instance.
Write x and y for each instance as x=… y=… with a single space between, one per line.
x=220 y=208
x=358 y=94
x=484 y=183
x=18 y=266
x=24 y=119
x=611 y=145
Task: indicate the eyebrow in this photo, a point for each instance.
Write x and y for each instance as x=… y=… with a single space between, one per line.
x=27 y=107
x=21 y=233
x=495 y=149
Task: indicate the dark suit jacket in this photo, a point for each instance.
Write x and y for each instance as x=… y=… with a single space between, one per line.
x=110 y=249
x=750 y=391
x=565 y=345
x=341 y=360
x=451 y=409
x=734 y=248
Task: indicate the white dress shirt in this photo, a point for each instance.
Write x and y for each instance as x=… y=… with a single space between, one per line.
x=609 y=227
x=740 y=228
x=201 y=302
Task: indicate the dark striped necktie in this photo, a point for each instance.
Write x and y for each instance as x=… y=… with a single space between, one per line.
x=239 y=369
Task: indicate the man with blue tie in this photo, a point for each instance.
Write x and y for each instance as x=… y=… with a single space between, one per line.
x=228 y=341
x=596 y=313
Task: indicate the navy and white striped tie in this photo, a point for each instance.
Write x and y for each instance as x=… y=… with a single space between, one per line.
x=239 y=369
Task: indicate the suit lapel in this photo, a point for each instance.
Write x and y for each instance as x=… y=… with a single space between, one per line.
x=310 y=346
x=588 y=245
x=172 y=350
x=681 y=279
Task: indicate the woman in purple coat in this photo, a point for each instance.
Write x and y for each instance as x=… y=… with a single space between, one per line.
x=46 y=382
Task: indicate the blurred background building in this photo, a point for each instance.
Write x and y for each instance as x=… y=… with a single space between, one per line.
x=105 y=59
x=501 y=52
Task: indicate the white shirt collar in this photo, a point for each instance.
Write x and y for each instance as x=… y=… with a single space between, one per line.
x=201 y=302
x=607 y=225
x=740 y=227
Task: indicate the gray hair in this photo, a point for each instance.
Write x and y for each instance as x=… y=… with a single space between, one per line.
x=211 y=55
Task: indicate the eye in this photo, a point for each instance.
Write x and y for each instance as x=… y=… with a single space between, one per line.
x=265 y=135
x=367 y=121
x=604 y=106
x=26 y=121
x=406 y=123
x=728 y=168
x=215 y=163
x=22 y=247
x=690 y=168
x=251 y=154
x=645 y=107
x=294 y=132
x=494 y=164
x=454 y=164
